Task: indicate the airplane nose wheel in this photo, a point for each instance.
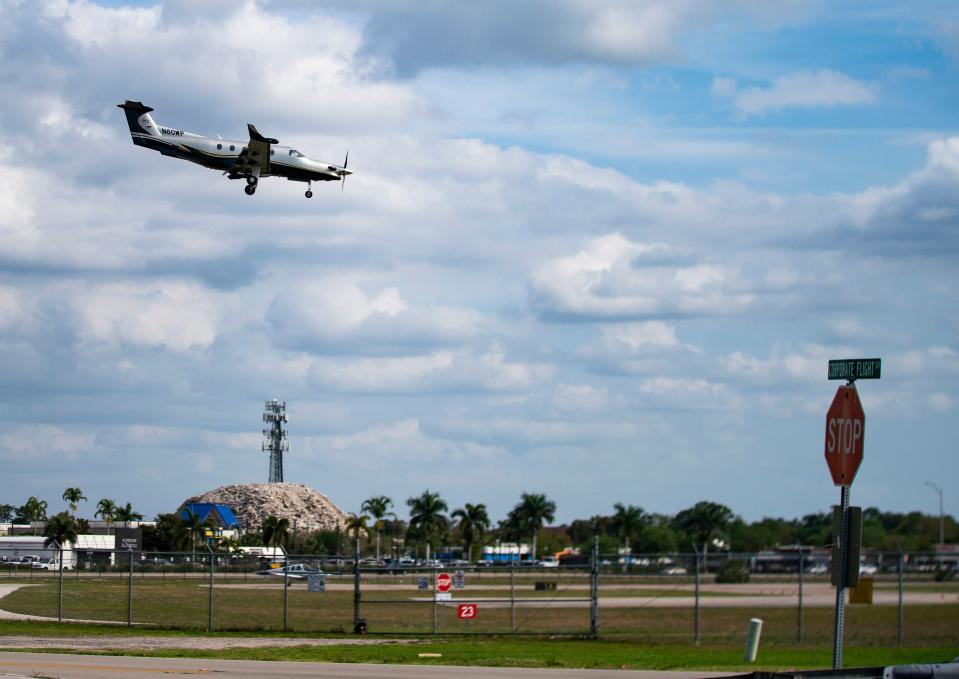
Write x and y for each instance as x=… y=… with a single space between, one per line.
x=309 y=194
x=309 y=189
x=250 y=189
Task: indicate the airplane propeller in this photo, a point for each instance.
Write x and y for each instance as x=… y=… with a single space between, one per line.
x=343 y=176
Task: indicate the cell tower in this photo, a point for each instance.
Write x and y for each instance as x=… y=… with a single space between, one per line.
x=276 y=441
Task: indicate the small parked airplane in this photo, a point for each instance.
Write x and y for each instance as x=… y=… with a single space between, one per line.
x=296 y=571
x=259 y=157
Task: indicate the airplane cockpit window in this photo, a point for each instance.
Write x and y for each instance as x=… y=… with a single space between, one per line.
x=295 y=153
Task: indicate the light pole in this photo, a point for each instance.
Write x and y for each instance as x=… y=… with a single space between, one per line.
x=936 y=488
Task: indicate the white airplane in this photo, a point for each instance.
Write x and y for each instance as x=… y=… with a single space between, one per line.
x=296 y=571
x=250 y=160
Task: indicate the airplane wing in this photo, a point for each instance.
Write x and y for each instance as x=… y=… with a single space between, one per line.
x=254 y=158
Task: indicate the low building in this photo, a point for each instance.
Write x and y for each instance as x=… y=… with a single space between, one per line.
x=220 y=519
x=18 y=548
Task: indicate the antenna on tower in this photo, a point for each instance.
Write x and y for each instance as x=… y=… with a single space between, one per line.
x=276 y=438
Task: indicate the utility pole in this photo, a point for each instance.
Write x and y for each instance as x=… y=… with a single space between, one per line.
x=942 y=525
x=276 y=437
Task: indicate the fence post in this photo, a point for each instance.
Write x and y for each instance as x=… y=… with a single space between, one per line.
x=130 y=587
x=801 y=569
x=60 y=594
x=902 y=621
x=209 y=612
x=697 y=634
x=512 y=594
x=433 y=572
x=594 y=588
x=286 y=592
x=356 y=587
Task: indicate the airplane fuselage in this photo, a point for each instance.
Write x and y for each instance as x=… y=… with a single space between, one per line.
x=222 y=154
x=250 y=160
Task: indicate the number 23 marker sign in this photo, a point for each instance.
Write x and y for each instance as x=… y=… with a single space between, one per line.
x=466 y=611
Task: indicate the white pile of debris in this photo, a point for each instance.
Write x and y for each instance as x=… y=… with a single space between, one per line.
x=252 y=503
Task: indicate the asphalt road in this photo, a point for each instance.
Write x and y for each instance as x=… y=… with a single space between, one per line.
x=62 y=666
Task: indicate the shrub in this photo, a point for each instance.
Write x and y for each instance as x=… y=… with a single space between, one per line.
x=944 y=574
x=732 y=571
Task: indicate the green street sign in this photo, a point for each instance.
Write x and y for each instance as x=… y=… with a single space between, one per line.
x=856 y=369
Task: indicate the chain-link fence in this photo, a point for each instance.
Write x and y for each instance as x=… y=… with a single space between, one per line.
x=911 y=598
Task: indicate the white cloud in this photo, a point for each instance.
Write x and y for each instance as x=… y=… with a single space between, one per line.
x=332 y=312
x=687 y=393
x=38 y=442
x=638 y=337
x=609 y=279
x=802 y=89
x=173 y=314
x=580 y=398
x=439 y=371
x=11 y=306
x=400 y=445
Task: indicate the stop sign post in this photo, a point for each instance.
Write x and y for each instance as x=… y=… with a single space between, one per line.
x=845 y=436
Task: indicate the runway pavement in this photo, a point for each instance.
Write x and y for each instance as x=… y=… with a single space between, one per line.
x=62 y=666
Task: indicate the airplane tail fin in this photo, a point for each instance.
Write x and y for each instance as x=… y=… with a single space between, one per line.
x=139 y=119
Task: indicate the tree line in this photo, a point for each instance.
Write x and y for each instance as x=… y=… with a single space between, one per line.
x=431 y=526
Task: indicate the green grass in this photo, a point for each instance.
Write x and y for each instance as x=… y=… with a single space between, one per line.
x=182 y=604
x=573 y=653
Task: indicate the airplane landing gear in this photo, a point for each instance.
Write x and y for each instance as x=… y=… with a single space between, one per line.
x=309 y=189
x=251 y=180
x=250 y=189
x=309 y=194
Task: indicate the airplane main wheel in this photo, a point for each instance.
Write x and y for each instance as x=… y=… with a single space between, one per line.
x=250 y=189
x=309 y=194
x=251 y=181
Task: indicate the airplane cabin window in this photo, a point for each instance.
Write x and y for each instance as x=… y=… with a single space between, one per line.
x=272 y=152
x=219 y=146
x=232 y=147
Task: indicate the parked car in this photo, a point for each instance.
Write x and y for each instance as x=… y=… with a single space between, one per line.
x=50 y=565
x=674 y=570
x=548 y=562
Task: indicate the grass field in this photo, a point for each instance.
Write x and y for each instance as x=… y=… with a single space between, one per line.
x=573 y=653
x=183 y=603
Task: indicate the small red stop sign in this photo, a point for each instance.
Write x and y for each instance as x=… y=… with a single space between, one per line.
x=845 y=432
x=444 y=582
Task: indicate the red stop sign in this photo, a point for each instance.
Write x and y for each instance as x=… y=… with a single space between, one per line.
x=845 y=430
x=444 y=582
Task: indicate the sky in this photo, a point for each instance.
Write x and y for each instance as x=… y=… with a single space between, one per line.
x=601 y=251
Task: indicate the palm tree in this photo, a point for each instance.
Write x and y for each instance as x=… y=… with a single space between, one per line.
x=356 y=524
x=532 y=511
x=473 y=524
x=627 y=522
x=378 y=507
x=106 y=510
x=191 y=523
x=276 y=532
x=60 y=529
x=703 y=519
x=126 y=514
x=73 y=496
x=427 y=520
x=34 y=509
